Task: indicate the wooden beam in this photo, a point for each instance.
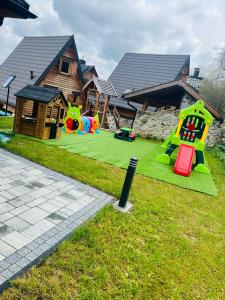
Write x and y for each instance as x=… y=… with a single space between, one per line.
x=147 y=90
x=145 y=105
x=106 y=107
x=86 y=103
x=97 y=102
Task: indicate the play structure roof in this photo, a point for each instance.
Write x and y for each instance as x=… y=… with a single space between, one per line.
x=171 y=90
x=137 y=70
x=39 y=94
x=37 y=54
x=103 y=86
x=15 y=9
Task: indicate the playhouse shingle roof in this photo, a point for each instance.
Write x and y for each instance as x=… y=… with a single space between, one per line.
x=104 y=86
x=137 y=70
x=35 y=54
x=40 y=94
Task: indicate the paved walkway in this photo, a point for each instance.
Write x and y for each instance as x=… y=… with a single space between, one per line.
x=38 y=209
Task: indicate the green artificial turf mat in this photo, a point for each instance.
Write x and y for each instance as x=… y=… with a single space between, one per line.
x=104 y=147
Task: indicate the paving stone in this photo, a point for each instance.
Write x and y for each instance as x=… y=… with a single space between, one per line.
x=34 y=215
x=2 y=257
x=4 y=265
x=5 y=207
x=38 y=229
x=55 y=218
x=12 y=259
x=14 y=269
x=24 y=251
x=17 y=224
x=37 y=202
x=4 y=229
x=16 y=239
x=6 y=249
x=31 y=246
x=23 y=262
x=7 y=274
x=74 y=206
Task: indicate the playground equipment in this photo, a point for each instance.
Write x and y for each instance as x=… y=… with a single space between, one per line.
x=189 y=135
x=125 y=134
x=76 y=123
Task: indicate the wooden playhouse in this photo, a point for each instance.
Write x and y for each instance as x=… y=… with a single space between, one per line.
x=40 y=112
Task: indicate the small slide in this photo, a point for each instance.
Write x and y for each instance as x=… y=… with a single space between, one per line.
x=183 y=164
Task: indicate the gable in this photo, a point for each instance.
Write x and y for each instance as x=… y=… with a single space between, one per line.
x=68 y=84
x=136 y=70
x=59 y=100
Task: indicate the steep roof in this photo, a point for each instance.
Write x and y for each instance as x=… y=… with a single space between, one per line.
x=137 y=70
x=38 y=54
x=39 y=94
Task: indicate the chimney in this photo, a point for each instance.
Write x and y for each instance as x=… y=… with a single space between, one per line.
x=32 y=74
x=82 y=62
x=196 y=72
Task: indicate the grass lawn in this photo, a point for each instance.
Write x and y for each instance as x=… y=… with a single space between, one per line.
x=6 y=123
x=171 y=246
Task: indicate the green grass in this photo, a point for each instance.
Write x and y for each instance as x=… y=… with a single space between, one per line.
x=104 y=147
x=171 y=246
x=6 y=123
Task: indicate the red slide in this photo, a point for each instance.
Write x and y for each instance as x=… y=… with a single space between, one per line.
x=183 y=164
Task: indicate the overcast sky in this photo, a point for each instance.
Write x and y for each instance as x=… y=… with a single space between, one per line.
x=105 y=29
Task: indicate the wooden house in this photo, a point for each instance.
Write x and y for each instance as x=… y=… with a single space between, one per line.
x=40 y=112
x=50 y=61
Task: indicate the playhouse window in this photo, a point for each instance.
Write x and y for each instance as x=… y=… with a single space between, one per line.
x=65 y=66
x=55 y=112
x=49 y=111
x=30 y=109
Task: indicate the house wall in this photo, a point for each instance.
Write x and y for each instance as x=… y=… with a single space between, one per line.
x=67 y=83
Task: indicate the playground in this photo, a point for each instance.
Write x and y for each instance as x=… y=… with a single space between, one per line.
x=103 y=147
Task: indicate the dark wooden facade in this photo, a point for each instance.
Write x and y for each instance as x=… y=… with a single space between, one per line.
x=70 y=84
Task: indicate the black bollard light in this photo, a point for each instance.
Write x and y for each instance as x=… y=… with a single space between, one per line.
x=128 y=182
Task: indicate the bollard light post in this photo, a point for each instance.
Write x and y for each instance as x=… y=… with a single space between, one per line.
x=123 y=204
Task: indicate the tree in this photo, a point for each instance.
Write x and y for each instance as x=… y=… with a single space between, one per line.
x=212 y=86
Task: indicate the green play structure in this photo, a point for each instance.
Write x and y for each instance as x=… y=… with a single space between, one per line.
x=189 y=135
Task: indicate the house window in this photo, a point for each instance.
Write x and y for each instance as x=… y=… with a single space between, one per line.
x=65 y=66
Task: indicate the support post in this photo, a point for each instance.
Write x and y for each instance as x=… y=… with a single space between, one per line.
x=123 y=204
x=7 y=101
x=145 y=106
x=106 y=106
x=97 y=102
